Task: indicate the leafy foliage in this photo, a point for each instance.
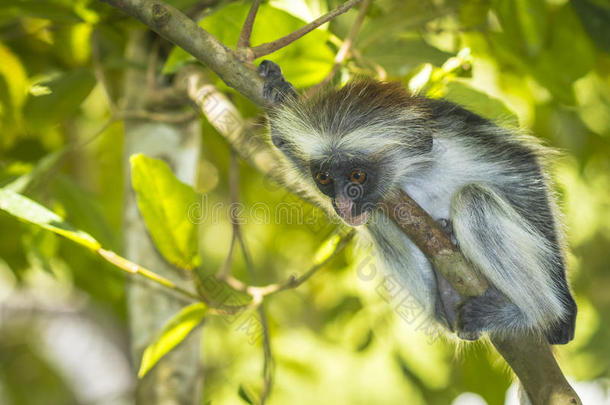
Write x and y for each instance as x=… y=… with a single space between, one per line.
x=542 y=65
x=28 y=210
x=174 y=332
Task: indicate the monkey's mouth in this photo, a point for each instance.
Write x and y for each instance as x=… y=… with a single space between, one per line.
x=344 y=207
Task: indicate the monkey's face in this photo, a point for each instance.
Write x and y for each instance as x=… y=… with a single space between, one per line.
x=352 y=186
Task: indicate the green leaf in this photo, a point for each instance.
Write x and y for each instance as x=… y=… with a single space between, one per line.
x=525 y=22
x=473 y=13
x=20 y=184
x=13 y=91
x=568 y=56
x=30 y=211
x=391 y=54
x=173 y=333
x=84 y=210
x=395 y=21
x=595 y=16
x=244 y=394
x=486 y=106
x=567 y=53
x=177 y=58
x=38 y=9
x=67 y=93
x=164 y=202
x=305 y=62
x=326 y=249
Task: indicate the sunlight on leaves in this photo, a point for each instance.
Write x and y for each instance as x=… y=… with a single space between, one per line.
x=30 y=211
x=305 y=62
x=164 y=202
x=326 y=250
x=174 y=332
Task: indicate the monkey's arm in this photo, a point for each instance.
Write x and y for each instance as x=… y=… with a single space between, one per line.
x=519 y=263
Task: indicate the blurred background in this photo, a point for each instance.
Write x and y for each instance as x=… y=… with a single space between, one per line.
x=340 y=338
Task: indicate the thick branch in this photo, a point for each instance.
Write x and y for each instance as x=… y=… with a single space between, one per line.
x=270 y=47
x=533 y=362
x=530 y=357
x=435 y=244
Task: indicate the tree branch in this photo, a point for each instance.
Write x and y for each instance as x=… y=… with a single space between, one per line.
x=529 y=356
x=246 y=30
x=177 y=28
x=133 y=268
x=270 y=47
x=346 y=46
x=435 y=244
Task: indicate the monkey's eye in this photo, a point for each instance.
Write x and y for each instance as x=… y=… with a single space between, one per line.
x=357 y=176
x=323 y=178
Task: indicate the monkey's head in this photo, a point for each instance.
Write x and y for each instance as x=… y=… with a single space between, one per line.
x=353 y=145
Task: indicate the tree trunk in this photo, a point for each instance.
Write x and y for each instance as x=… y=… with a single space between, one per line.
x=175 y=379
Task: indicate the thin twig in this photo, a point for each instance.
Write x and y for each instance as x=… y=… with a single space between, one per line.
x=224 y=272
x=246 y=30
x=179 y=29
x=270 y=47
x=381 y=72
x=346 y=46
x=246 y=254
x=173 y=118
x=293 y=281
x=152 y=66
x=133 y=268
x=268 y=361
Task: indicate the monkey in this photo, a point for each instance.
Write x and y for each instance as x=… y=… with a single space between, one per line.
x=486 y=185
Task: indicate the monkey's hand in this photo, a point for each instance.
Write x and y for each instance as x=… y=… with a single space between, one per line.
x=276 y=88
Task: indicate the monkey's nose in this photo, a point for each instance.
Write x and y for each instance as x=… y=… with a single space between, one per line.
x=344 y=206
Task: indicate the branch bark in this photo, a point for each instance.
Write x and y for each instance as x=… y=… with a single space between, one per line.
x=179 y=29
x=246 y=30
x=530 y=358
